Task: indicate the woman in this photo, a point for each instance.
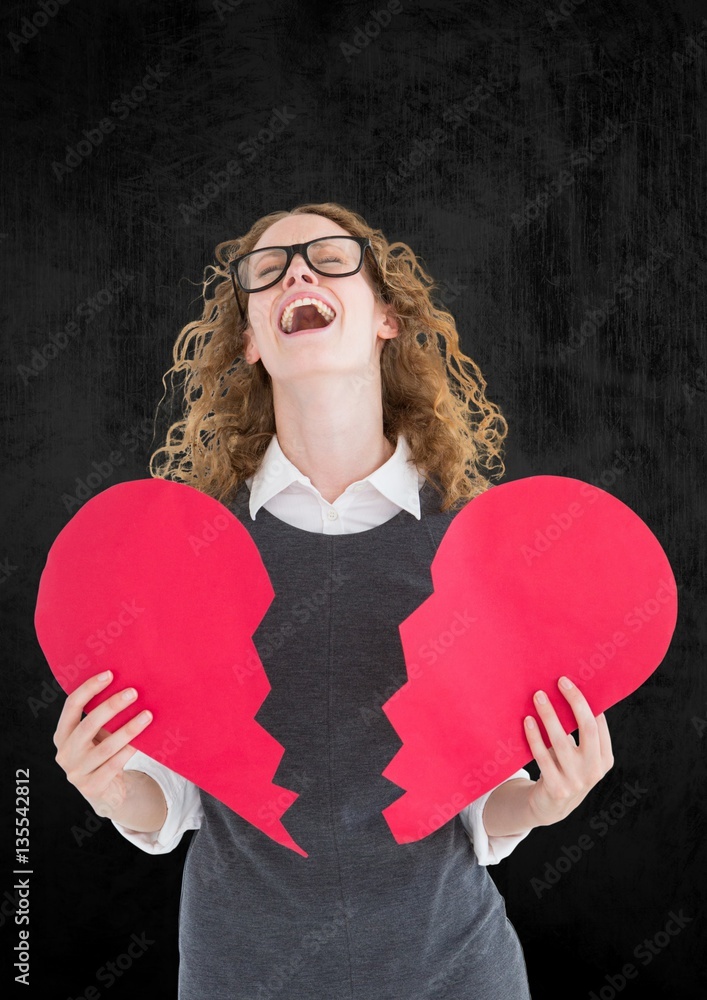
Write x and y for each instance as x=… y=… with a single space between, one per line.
x=345 y=435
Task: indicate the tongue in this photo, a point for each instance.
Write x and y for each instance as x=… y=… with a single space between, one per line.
x=307 y=318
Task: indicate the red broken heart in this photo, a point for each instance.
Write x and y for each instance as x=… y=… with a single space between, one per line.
x=533 y=579
x=163 y=585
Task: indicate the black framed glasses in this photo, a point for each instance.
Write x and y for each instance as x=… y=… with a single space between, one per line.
x=333 y=256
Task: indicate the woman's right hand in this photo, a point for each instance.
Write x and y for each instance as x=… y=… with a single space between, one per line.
x=92 y=757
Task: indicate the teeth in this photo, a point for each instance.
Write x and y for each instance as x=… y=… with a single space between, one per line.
x=286 y=320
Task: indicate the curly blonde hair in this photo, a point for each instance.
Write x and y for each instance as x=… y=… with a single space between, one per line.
x=432 y=392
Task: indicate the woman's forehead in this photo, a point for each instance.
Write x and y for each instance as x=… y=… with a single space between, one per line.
x=299 y=229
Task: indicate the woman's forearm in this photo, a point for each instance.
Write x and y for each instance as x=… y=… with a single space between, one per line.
x=506 y=811
x=144 y=808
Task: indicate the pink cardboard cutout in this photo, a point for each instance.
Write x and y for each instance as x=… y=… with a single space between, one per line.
x=160 y=583
x=533 y=579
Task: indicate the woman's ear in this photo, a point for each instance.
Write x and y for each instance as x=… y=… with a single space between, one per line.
x=250 y=350
x=391 y=326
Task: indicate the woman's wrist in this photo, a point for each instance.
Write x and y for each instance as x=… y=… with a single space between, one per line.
x=507 y=810
x=144 y=808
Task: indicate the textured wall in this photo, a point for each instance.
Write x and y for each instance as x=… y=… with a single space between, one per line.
x=547 y=163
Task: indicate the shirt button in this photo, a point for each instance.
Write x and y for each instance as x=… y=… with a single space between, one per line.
x=358 y=487
x=332 y=515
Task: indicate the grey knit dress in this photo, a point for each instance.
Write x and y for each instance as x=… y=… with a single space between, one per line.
x=363 y=917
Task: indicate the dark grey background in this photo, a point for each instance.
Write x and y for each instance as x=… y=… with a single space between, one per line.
x=620 y=403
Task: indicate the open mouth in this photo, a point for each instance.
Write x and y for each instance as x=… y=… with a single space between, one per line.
x=303 y=316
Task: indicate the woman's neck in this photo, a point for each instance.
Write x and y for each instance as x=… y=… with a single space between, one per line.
x=331 y=443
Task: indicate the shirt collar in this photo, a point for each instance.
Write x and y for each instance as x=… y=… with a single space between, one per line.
x=397 y=479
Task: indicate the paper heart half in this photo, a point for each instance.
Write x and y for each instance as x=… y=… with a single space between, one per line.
x=533 y=579
x=160 y=583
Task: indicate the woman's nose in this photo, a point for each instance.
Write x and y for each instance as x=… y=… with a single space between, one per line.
x=299 y=269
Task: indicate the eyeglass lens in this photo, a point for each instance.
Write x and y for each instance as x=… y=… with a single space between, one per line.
x=334 y=255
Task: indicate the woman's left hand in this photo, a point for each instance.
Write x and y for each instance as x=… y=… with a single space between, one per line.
x=567 y=772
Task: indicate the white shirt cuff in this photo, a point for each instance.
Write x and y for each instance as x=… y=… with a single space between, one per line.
x=184 y=809
x=490 y=850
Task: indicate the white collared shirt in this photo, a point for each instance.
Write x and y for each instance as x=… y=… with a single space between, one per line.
x=283 y=491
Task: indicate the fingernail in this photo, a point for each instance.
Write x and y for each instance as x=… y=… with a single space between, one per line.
x=529 y=721
x=540 y=698
x=130 y=693
x=105 y=675
x=566 y=683
x=144 y=716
